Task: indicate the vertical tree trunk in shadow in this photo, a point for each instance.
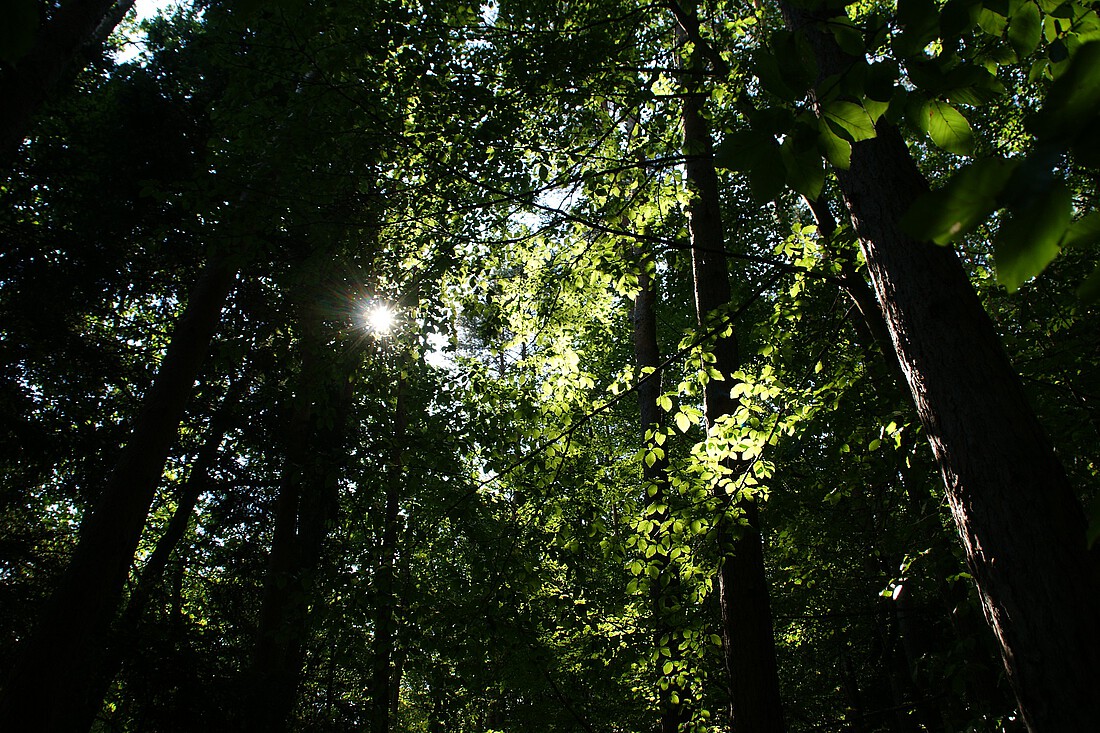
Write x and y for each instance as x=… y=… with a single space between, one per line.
x=305 y=509
x=747 y=636
x=382 y=676
x=55 y=675
x=1022 y=528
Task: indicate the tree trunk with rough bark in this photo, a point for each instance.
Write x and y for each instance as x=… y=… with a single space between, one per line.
x=1022 y=527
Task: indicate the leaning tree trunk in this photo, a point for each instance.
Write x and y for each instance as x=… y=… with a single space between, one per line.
x=1021 y=524
x=198 y=480
x=747 y=637
x=665 y=595
x=54 y=675
x=29 y=81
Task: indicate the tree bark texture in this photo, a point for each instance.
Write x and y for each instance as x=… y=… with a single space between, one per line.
x=28 y=82
x=1021 y=525
x=747 y=636
x=54 y=676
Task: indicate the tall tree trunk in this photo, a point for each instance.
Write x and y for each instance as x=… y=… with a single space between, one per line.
x=1022 y=527
x=305 y=508
x=384 y=619
x=747 y=636
x=54 y=675
x=665 y=594
x=28 y=82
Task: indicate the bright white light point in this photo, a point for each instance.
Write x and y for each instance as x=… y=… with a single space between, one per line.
x=380 y=319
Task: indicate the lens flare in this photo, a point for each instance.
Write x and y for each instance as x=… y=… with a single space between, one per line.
x=380 y=319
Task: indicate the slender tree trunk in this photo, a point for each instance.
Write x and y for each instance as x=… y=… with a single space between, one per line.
x=28 y=82
x=747 y=636
x=1022 y=527
x=54 y=675
x=305 y=509
x=665 y=594
x=384 y=621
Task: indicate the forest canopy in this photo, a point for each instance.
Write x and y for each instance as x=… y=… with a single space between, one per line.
x=408 y=366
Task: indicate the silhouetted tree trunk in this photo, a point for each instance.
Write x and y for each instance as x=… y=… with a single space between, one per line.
x=1022 y=527
x=747 y=636
x=198 y=480
x=29 y=81
x=305 y=509
x=382 y=676
x=53 y=679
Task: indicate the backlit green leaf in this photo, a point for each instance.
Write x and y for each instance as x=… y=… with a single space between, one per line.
x=947 y=127
x=1083 y=232
x=1073 y=103
x=805 y=168
x=683 y=422
x=837 y=150
x=1025 y=29
x=852 y=118
x=1029 y=241
x=1089 y=290
x=970 y=196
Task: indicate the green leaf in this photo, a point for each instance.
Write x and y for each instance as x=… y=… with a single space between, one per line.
x=1089 y=292
x=1073 y=103
x=837 y=150
x=992 y=23
x=1029 y=240
x=946 y=126
x=765 y=66
x=882 y=77
x=756 y=153
x=1083 y=232
x=852 y=118
x=1025 y=29
x=958 y=17
x=966 y=200
x=739 y=150
x=919 y=20
x=805 y=168
x=795 y=60
x=768 y=175
x=848 y=37
x=683 y=422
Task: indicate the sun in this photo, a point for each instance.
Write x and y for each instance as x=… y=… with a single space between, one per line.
x=380 y=319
